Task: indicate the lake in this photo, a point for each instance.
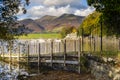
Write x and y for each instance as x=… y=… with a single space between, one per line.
x=9 y=71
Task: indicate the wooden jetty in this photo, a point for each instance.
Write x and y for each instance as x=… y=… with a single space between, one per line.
x=51 y=52
x=65 y=52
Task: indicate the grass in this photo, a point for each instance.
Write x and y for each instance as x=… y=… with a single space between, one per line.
x=111 y=54
x=40 y=35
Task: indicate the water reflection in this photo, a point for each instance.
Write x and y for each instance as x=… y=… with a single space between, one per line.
x=14 y=72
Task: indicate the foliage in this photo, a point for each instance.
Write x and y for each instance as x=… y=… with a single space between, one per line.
x=112 y=54
x=90 y=25
x=84 y=64
x=57 y=29
x=67 y=30
x=8 y=25
x=110 y=17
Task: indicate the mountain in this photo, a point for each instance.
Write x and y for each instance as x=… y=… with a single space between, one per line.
x=32 y=25
x=65 y=20
x=46 y=21
x=51 y=23
x=68 y=20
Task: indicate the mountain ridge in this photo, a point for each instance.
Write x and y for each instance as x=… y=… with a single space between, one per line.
x=49 y=23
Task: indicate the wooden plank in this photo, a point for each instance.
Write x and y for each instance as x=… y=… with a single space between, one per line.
x=61 y=62
x=75 y=45
x=7 y=56
x=79 y=53
x=119 y=44
x=18 y=53
x=3 y=52
x=10 y=53
x=51 y=58
x=39 y=61
x=28 y=49
x=59 y=46
x=64 y=53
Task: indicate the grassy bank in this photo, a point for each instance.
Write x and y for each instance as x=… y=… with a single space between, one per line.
x=40 y=35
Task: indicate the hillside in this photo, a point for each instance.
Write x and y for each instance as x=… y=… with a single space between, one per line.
x=32 y=25
x=68 y=20
x=51 y=23
x=46 y=21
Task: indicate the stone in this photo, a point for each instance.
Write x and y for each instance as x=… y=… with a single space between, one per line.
x=110 y=74
x=116 y=77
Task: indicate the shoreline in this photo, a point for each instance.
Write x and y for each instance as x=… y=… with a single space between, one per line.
x=62 y=75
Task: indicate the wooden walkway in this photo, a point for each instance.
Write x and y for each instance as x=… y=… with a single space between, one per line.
x=63 y=52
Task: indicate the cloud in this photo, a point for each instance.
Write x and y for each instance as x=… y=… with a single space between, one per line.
x=60 y=2
x=84 y=12
x=39 y=11
x=39 y=8
x=55 y=2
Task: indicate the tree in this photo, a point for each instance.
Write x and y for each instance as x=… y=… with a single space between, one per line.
x=110 y=17
x=91 y=25
x=67 y=30
x=8 y=20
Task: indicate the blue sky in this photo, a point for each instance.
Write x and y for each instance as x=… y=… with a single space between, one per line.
x=40 y=8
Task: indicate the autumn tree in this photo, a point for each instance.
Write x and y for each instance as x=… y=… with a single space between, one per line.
x=110 y=17
x=91 y=25
x=67 y=30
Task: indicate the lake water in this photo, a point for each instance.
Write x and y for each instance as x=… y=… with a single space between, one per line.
x=16 y=71
x=10 y=71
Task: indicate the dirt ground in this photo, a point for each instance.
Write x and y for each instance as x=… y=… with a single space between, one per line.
x=62 y=75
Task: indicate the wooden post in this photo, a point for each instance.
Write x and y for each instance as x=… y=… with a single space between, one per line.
x=10 y=48
x=82 y=40
x=3 y=52
x=75 y=46
x=37 y=46
x=94 y=44
x=90 y=41
x=45 y=44
x=51 y=54
x=10 y=52
x=39 y=60
x=64 y=53
x=18 y=52
x=115 y=43
x=79 y=52
x=101 y=39
x=39 y=57
x=28 y=53
x=55 y=47
x=18 y=68
x=34 y=49
x=59 y=46
x=46 y=47
x=119 y=44
x=10 y=67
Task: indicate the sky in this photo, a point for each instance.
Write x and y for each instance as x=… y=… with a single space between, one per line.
x=40 y=8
